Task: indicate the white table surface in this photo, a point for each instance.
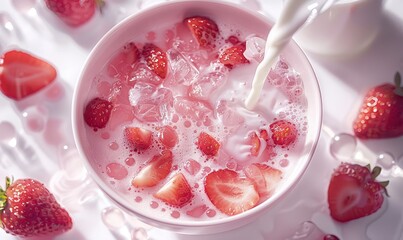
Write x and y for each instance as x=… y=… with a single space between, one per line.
x=343 y=83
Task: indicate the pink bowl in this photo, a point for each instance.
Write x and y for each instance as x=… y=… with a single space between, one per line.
x=172 y=12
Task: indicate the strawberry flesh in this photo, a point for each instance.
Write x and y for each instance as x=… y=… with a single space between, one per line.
x=265 y=178
x=22 y=74
x=176 y=192
x=121 y=65
x=32 y=211
x=353 y=193
x=97 y=113
x=204 y=30
x=138 y=138
x=207 y=144
x=155 y=171
x=230 y=193
x=156 y=59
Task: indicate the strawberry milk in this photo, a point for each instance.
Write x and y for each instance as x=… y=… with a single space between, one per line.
x=168 y=129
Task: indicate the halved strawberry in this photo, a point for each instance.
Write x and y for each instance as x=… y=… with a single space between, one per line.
x=138 y=138
x=265 y=178
x=254 y=141
x=353 y=192
x=233 y=56
x=97 y=113
x=156 y=170
x=156 y=59
x=207 y=144
x=204 y=30
x=284 y=133
x=168 y=136
x=176 y=192
x=22 y=74
x=229 y=193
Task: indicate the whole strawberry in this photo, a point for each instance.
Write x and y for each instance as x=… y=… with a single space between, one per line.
x=28 y=209
x=74 y=12
x=354 y=193
x=381 y=114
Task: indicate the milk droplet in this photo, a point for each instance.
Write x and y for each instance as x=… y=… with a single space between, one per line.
x=385 y=160
x=139 y=234
x=8 y=134
x=400 y=161
x=34 y=118
x=343 y=146
x=24 y=5
x=113 y=218
x=116 y=171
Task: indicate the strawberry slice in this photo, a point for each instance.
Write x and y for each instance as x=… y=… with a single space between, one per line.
x=284 y=133
x=204 y=30
x=353 y=192
x=156 y=170
x=233 y=56
x=22 y=74
x=254 y=141
x=168 y=136
x=138 y=138
x=97 y=113
x=176 y=192
x=207 y=144
x=156 y=59
x=265 y=178
x=230 y=193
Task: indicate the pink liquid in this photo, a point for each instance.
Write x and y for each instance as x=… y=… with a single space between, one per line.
x=198 y=95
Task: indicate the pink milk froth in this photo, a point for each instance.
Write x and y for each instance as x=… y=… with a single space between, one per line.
x=198 y=95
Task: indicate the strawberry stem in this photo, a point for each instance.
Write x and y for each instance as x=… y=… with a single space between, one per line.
x=398 y=88
x=100 y=4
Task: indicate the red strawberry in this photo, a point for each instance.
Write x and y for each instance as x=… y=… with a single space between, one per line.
x=28 y=209
x=264 y=134
x=264 y=177
x=230 y=193
x=233 y=55
x=353 y=192
x=156 y=59
x=168 y=136
x=204 y=30
x=381 y=114
x=97 y=113
x=121 y=65
x=207 y=144
x=138 y=138
x=156 y=170
x=22 y=74
x=74 y=12
x=255 y=144
x=175 y=192
x=284 y=133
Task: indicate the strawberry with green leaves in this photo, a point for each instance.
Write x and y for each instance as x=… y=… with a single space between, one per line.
x=28 y=209
x=353 y=192
x=381 y=113
x=22 y=74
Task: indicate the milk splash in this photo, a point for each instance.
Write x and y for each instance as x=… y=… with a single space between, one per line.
x=294 y=15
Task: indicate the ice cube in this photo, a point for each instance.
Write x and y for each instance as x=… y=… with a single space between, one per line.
x=121 y=65
x=228 y=116
x=194 y=110
x=120 y=114
x=151 y=104
x=120 y=93
x=141 y=73
x=211 y=79
x=182 y=71
x=255 y=48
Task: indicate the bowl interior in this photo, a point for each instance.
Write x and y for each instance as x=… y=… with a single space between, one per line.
x=168 y=14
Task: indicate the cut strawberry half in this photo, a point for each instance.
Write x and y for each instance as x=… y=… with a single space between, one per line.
x=229 y=193
x=156 y=170
x=176 y=192
x=233 y=56
x=265 y=178
x=156 y=59
x=284 y=133
x=97 y=113
x=138 y=138
x=22 y=74
x=204 y=30
x=207 y=144
x=254 y=141
x=168 y=136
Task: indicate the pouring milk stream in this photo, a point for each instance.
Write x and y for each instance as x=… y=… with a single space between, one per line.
x=294 y=15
